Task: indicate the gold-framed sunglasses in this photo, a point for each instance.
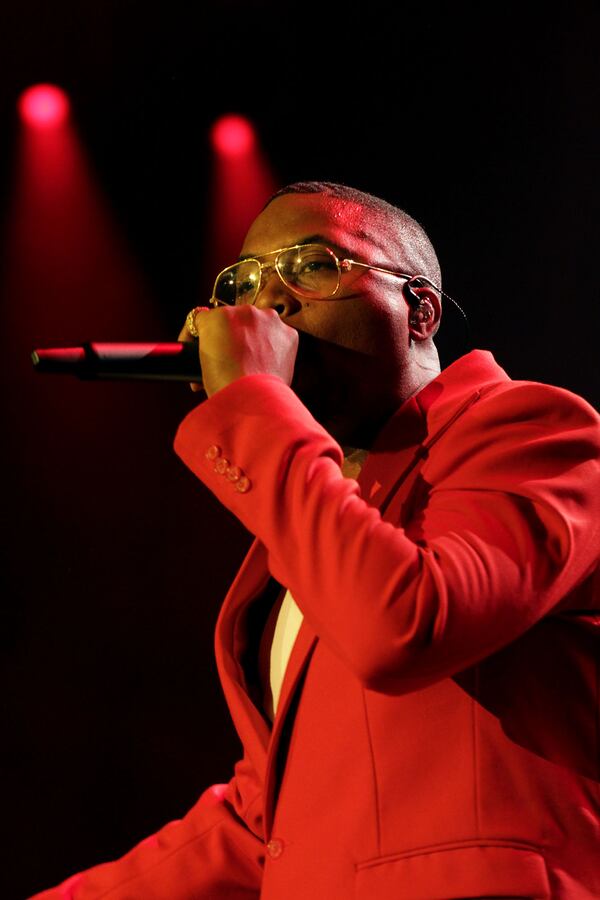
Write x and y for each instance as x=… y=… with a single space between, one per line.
x=311 y=270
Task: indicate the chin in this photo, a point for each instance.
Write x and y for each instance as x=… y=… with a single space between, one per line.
x=308 y=388
x=330 y=412
x=337 y=387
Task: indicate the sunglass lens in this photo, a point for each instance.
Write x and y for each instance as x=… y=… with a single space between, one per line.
x=310 y=270
x=238 y=284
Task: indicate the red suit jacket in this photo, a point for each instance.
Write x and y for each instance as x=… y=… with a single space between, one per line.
x=437 y=733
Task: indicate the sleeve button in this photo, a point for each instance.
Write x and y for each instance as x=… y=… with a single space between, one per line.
x=213 y=452
x=242 y=484
x=221 y=465
x=233 y=473
x=275 y=848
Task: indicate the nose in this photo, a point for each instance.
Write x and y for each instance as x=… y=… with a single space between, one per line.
x=274 y=294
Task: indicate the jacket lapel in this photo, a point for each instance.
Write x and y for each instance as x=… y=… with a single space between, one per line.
x=230 y=643
x=259 y=740
x=302 y=650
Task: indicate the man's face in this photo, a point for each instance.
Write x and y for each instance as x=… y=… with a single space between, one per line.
x=368 y=313
x=353 y=346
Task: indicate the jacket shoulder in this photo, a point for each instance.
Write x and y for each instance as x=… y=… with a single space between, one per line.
x=537 y=403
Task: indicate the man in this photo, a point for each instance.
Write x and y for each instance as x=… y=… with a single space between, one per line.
x=410 y=650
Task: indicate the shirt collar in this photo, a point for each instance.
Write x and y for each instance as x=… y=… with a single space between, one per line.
x=421 y=419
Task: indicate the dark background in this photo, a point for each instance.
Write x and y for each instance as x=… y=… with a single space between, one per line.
x=481 y=121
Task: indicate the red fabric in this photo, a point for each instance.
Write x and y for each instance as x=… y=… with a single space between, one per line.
x=438 y=717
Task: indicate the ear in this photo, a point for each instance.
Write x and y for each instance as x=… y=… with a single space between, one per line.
x=425 y=311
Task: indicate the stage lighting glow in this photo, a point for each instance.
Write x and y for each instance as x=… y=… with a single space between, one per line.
x=233 y=135
x=44 y=106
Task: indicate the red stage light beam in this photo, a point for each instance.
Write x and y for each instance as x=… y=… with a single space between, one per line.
x=68 y=262
x=242 y=183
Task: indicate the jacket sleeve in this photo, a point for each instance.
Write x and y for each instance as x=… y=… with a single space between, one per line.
x=508 y=525
x=214 y=853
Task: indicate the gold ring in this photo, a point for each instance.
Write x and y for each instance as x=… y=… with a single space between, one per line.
x=190 y=320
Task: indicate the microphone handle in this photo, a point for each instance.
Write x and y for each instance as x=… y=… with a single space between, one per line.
x=175 y=361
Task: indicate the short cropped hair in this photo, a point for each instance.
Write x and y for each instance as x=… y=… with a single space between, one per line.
x=415 y=251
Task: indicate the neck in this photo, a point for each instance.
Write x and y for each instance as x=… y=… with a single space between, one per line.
x=353 y=397
x=364 y=417
x=423 y=367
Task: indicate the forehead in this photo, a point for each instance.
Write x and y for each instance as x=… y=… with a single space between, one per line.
x=292 y=218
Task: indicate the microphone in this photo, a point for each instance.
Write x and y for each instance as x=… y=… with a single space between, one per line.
x=175 y=361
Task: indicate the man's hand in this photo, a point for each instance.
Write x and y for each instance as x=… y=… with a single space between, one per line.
x=242 y=340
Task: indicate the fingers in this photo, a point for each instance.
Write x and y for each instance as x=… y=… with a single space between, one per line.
x=238 y=341
x=187 y=335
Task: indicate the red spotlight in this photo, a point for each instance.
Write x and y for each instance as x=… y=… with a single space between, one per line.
x=44 y=106
x=68 y=263
x=233 y=136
